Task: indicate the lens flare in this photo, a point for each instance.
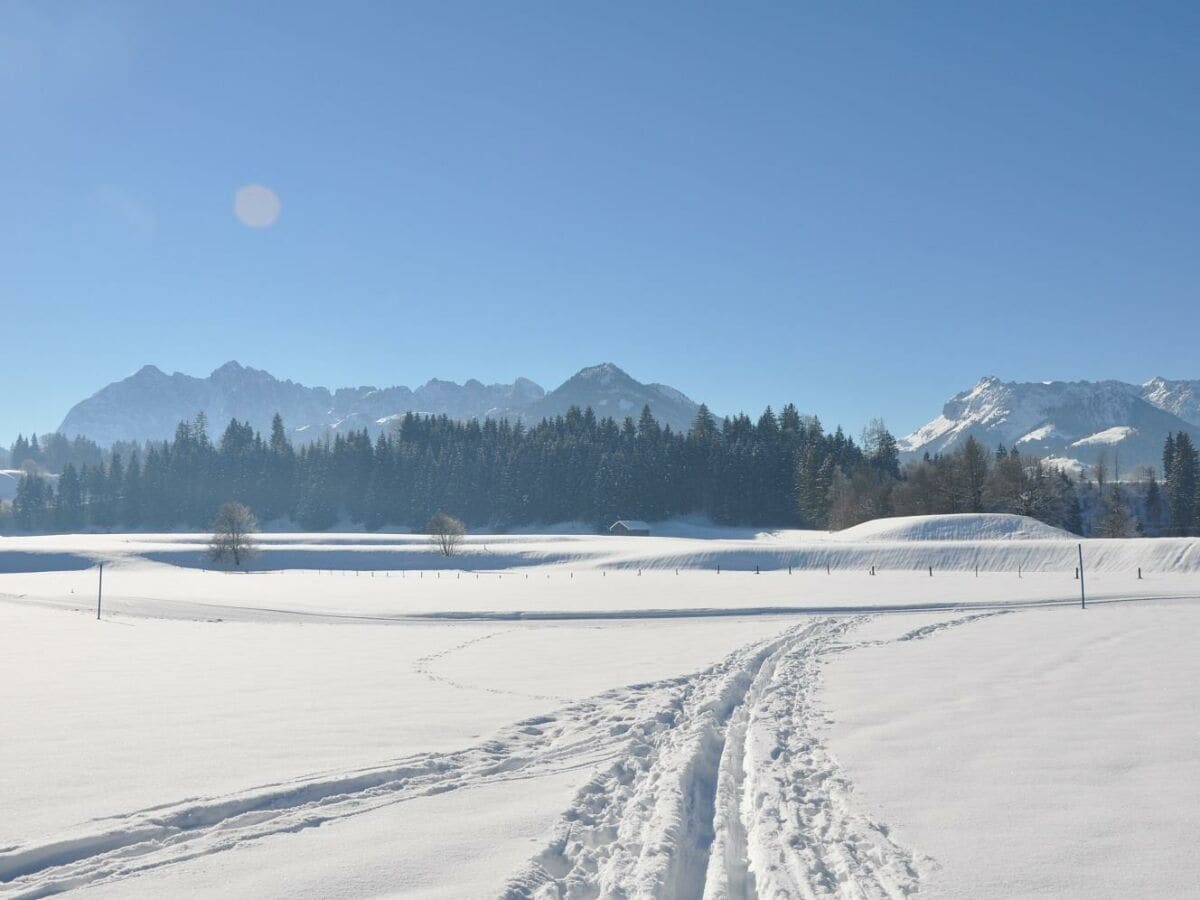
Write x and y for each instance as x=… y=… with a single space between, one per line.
x=256 y=206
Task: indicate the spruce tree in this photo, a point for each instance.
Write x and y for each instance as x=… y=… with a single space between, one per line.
x=1182 y=485
x=68 y=504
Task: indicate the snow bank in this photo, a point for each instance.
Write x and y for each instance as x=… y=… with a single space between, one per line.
x=958 y=527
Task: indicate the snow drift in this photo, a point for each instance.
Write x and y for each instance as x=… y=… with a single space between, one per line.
x=957 y=527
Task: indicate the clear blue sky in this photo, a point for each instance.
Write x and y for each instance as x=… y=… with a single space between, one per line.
x=861 y=208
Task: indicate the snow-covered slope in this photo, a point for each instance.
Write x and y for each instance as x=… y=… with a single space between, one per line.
x=454 y=733
x=1179 y=397
x=1078 y=420
x=959 y=527
x=990 y=542
x=150 y=403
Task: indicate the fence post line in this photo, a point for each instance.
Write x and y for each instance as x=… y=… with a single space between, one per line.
x=1082 y=595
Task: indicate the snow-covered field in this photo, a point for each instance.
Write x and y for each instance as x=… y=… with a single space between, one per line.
x=580 y=716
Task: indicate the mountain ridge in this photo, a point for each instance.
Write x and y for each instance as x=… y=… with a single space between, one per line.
x=1076 y=422
x=149 y=404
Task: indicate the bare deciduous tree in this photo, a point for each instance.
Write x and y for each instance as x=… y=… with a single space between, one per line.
x=445 y=533
x=233 y=535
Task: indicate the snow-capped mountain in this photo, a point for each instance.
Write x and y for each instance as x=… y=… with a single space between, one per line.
x=1179 y=397
x=611 y=392
x=150 y=403
x=1071 y=421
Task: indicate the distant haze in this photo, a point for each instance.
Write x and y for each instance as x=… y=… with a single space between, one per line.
x=150 y=403
x=1074 y=422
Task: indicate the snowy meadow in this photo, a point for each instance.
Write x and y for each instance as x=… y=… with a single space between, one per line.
x=704 y=713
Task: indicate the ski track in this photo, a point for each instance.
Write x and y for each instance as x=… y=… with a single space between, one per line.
x=424 y=667
x=116 y=847
x=715 y=785
x=727 y=792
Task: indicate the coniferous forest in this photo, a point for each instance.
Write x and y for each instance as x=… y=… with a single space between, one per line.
x=782 y=470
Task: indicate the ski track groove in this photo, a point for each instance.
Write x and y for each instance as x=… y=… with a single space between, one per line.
x=737 y=799
x=424 y=668
x=714 y=785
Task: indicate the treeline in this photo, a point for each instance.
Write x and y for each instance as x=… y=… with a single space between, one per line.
x=972 y=480
x=53 y=452
x=777 y=471
x=491 y=474
x=967 y=480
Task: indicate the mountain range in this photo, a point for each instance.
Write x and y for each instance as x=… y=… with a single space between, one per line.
x=149 y=404
x=1074 y=422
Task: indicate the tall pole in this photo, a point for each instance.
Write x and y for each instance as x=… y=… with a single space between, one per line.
x=99 y=591
x=1082 y=595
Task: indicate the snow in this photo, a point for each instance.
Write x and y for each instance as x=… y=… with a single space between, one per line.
x=1182 y=398
x=582 y=715
x=603 y=374
x=1049 y=753
x=1038 y=434
x=1053 y=417
x=1073 y=467
x=955 y=527
x=274 y=728
x=672 y=394
x=1108 y=436
x=928 y=433
x=631 y=525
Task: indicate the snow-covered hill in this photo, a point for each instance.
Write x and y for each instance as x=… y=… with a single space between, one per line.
x=1077 y=420
x=150 y=403
x=954 y=527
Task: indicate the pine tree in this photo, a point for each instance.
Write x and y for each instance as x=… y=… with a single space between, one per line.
x=972 y=470
x=31 y=505
x=881 y=449
x=1182 y=486
x=129 y=512
x=68 y=505
x=1115 y=519
x=20 y=453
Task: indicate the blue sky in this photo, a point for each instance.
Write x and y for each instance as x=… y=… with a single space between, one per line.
x=861 y=208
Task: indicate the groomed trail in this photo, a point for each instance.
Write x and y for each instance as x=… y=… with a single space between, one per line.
x=713 y=785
